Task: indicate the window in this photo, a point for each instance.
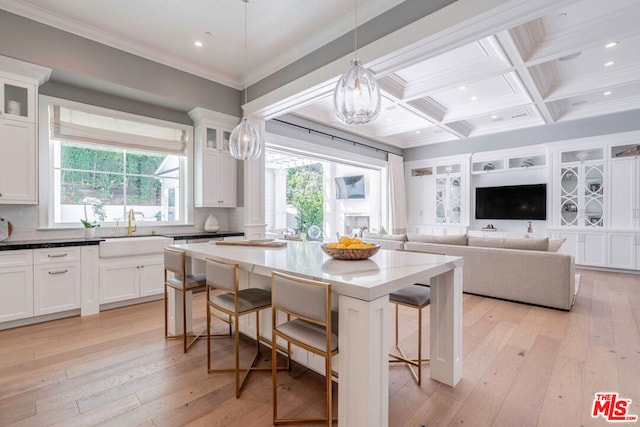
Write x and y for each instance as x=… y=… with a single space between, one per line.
x=301 y=196
x=100 y=164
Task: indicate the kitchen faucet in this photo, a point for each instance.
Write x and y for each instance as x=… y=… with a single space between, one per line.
x=132 y=217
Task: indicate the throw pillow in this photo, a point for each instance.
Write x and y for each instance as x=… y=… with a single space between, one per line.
x=460 y=240
x=555 y=244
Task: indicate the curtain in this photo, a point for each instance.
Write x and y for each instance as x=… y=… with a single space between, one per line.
x=89 y=128
x=397 y=195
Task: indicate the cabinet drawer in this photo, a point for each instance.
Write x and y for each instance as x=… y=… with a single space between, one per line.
x=56 y=255
x=56 y=288
x=16 y=258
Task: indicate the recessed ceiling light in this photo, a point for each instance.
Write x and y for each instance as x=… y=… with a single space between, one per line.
x=474 y=98
x=611 y=44
x=417 y=132
x=570 y=56
x=607 y=93
x=197 y=43
x=462 y=87
x=494 y=117
x=582 y=102
x=609 y=63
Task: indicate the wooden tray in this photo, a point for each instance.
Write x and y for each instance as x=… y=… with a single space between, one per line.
x=267 y=243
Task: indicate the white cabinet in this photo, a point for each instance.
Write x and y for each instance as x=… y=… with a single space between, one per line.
x=57 y=280
x=215 y=170
x=449 y=195
x=18 y=142
x=582 y=188
x=624 y=206
x=18 y=162
x=588 y=248
x=219 y=183
x=124 y=278
x=16 y=285
x=624 y=251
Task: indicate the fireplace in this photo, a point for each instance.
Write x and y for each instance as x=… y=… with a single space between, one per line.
x=355 y=223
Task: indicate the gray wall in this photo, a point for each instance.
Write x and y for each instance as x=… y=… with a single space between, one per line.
x=83 y=63
x=612 y=123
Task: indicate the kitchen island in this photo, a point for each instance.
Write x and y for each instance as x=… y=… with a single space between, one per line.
x=363 y=289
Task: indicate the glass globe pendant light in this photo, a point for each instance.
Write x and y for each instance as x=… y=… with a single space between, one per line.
x=356 y=98
x=244 y=143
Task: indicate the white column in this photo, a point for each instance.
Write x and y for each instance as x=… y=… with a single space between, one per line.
x=363 y=386
x=445 y=335
x=254 y=225
x=280 y=195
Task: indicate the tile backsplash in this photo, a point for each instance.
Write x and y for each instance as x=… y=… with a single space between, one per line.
x=25 y=222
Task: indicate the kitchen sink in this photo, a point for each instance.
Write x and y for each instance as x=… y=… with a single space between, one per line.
x=132 y=246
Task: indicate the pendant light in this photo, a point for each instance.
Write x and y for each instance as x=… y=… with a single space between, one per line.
x=356 y=99
x=244 y=143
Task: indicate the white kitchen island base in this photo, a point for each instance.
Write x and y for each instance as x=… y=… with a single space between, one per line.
x=363 y=289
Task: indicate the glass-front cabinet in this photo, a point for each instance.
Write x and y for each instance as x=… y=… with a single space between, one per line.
x=582 y=188
x=449 y=194
x=17 y=100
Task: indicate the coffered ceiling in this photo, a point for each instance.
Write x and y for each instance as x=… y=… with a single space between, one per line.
x=580 y=60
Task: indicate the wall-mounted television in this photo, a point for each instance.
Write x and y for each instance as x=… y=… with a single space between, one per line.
x=350 y=187
x=528 y=202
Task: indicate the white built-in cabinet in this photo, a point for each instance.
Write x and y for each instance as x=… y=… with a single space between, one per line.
x=437 y=196
x=18 y=143
x=215 y=170
x=624 y=207
x=581 y=195
x=587 y=248
x=124 y=278
x=57 y=280
x=16 y=285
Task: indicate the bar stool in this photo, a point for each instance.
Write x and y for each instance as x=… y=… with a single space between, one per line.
x=175 y=262
x=416 y=296
x=308 y=325
x=234 y=303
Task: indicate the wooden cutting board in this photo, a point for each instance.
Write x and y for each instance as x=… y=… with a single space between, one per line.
x=5 y=229
x=268 y=243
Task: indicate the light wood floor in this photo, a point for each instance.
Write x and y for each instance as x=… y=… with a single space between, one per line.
x=523 y=366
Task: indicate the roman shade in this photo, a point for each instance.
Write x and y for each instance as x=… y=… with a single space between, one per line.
x=74 y=125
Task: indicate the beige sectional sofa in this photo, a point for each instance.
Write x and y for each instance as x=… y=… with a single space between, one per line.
x=525 y=270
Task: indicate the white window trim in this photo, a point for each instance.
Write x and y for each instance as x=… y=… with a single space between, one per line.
x=45 y=149
x=305 y=148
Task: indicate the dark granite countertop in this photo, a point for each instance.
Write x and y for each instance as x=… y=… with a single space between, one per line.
x=202 y=235
x=15 y=245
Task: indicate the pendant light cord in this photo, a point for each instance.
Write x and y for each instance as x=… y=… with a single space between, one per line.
x=245 y=52
x=355 y=36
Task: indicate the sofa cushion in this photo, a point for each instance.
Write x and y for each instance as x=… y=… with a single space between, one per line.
x=510 y=243
x=460 y=239
x=555 y=244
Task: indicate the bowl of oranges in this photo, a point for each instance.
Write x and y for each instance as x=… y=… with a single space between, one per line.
x=350 y=248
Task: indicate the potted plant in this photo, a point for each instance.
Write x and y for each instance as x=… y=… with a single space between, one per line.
x=89 y=228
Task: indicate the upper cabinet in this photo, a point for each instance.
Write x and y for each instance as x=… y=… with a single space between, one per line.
x=19 y=83
x=215 y=170
x=582 y=188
